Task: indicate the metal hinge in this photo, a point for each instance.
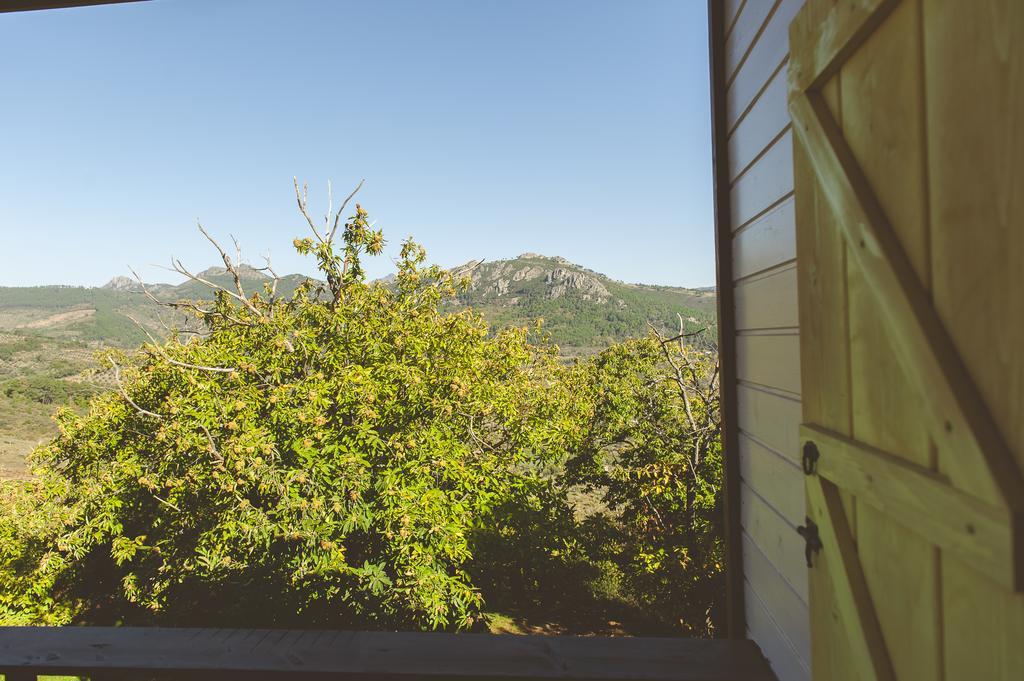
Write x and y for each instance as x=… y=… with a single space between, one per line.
x=810 y=458
x=812 y=542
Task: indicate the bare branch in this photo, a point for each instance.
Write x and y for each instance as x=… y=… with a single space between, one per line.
x=300 y=198
x=179 y=267
x=232 y=268
x=213 y=447
x=163 y=353
x=677 y=370
x=270 y=268
x=185 y=304
x=165 y=502
x=124 y=393
x=341 y=209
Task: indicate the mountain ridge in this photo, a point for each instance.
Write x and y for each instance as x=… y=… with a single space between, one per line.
x=582 y=309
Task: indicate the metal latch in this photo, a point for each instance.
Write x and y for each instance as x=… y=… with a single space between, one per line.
x=812 y=542
x=810 y=458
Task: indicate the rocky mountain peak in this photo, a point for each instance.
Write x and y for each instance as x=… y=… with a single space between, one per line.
x=122 y=283
x=244 y=270
x=561 y=280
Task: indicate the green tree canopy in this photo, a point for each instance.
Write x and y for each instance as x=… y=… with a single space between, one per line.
x=319 y=459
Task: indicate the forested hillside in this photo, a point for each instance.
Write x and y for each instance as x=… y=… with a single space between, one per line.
x=582 y=310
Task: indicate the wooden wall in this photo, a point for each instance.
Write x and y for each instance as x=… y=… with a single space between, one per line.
x=762 y=249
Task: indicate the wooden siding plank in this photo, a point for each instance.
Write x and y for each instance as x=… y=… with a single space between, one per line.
x=732 y=10
x=782 y=602
x=776 y=538
x=781 y=654
x=771 y=360
x=768 y=241
x=772 y=419
x=744 y=33
x=773 y=477
x=765 y=183
x=768 y=118
x=768 y=302
x=767 y=55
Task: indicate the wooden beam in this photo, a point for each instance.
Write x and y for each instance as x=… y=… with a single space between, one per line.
x=921 y=500
x=736 y=618
x=818 y=49
x=960 y=422
x=242 y=653
x=849 y=589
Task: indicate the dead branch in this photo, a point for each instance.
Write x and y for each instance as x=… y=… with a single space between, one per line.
x=269 y=268
x=124 y=393
x=163 y=353
x=341 y=209
x=301 y=199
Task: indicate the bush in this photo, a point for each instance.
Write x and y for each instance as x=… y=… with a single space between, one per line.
x=653 y=453
x=349 y=455
x=45 y=390
x=320 y=460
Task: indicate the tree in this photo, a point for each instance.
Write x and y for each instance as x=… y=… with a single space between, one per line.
x=356 y=454
x=653 y=452
x=315 y=460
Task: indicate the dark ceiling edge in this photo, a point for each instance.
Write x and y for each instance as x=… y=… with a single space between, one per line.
x=27 y=5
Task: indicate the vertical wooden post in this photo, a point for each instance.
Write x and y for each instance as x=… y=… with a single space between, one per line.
x=735 y=607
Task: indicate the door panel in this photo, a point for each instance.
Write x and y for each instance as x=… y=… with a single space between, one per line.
x=908 y=164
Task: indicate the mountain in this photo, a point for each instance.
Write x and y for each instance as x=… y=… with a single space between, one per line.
x=582 y=310
x=48 y=334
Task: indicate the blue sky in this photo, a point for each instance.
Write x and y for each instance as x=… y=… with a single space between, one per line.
x=484 y=129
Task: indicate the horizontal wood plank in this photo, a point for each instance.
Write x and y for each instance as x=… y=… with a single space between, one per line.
x=767 y=242
x=732 y=10
x=823 y=44
x=780 y=651
x=769 y=360
x=776 y=538
x=773 y=419
x=374 y=655
x=785 y=605
x=743 y=33
x=768 y=302
x=921 y=500
x=765 y=183
x=766 y=121
x=773 y=478
x=767 y=55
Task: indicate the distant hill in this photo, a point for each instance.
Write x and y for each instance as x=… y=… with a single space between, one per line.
x=582 y=309
x=49 y=334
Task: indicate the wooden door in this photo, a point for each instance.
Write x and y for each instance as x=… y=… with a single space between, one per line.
x=908 y=121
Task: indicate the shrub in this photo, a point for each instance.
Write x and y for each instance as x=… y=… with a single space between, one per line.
x=316 y=460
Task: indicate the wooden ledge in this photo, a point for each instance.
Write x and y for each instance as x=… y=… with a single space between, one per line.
x=268 y=653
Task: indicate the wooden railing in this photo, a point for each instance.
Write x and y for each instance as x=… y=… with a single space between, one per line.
x=160 y=653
